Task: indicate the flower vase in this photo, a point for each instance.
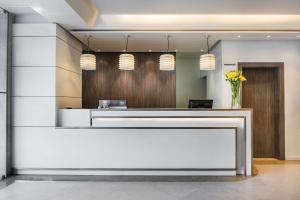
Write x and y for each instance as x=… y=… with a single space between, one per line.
x=236 y=96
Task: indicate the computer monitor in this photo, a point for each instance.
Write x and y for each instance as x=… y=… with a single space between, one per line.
x=119 y=104
x=200 y=103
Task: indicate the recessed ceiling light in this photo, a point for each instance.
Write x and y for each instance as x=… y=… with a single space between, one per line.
x=124 y=50
x=298 y=36
x=176 y=50
x=239 y=36
x=150 y=50
x=268 y=36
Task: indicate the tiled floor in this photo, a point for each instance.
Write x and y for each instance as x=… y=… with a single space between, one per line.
x=274 y=180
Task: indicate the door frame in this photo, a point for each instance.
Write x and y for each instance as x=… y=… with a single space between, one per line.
x=280 y=152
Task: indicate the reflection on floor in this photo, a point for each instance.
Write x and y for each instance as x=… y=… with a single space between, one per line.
x=273 y=180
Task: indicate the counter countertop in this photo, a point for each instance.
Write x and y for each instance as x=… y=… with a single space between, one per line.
x=174 y=109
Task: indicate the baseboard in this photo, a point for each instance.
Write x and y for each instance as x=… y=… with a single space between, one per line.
x=124 y=172
x=292 y=157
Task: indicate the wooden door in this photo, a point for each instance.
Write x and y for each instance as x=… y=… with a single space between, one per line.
x=261 y=92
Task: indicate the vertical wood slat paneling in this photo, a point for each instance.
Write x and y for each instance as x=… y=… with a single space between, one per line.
x=144 y=87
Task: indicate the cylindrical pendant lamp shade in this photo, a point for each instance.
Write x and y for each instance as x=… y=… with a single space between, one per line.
x=88 y=61
x=167 y=62
x=126 y=61
x=207 y=62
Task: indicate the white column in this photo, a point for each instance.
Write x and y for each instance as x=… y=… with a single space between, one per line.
x=46 y=74
x=5 y=76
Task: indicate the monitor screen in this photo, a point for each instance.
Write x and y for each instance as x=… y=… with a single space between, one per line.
x=200 y=103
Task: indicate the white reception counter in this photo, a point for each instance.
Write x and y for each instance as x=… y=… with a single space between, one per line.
x=145 y=142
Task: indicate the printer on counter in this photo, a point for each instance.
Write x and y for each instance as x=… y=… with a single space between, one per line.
x=112 y=104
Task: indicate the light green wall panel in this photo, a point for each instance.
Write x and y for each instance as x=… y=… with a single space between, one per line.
x=189 y=82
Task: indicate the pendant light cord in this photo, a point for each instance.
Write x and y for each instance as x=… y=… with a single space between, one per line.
x=168 y=44
x=168 y=39
x=88 y=43
x=126 y=48
x=207 y=44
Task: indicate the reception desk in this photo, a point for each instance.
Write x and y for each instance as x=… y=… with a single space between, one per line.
x=145 y=142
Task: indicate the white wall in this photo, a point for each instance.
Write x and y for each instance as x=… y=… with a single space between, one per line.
x=214 y=79
x=268 y=51
x=45 y=73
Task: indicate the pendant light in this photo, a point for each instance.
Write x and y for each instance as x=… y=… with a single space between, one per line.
x=167 y=61
x=126 y=60
x=88 y=60
x=208 y=60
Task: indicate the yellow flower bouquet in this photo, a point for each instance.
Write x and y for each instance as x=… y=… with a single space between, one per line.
x=235 y=78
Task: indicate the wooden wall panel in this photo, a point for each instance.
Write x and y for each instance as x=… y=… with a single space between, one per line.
x=144 y=87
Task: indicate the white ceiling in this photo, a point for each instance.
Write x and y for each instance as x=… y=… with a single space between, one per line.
x=17 y=6
x=163 y=14
x=143 y=42
x=139 y=41
x=189 y=20
x=120 y=7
